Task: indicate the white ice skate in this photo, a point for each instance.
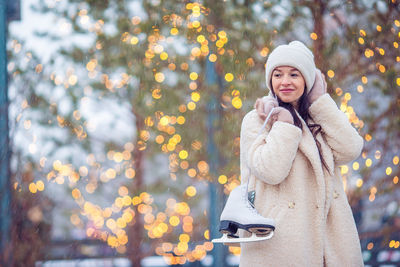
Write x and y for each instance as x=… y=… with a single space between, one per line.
x=239 y=213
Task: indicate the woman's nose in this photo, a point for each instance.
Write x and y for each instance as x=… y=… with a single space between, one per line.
x=285 y=79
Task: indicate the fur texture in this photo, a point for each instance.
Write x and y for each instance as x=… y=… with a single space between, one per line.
x=314 y=222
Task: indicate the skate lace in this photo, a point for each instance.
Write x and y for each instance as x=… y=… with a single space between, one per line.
x=249 y=205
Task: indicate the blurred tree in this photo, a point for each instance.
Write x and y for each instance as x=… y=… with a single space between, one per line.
x=152 y=56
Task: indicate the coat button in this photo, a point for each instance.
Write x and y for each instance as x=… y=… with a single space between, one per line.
x=335 y=195
x=316 y=206
x=291 y=205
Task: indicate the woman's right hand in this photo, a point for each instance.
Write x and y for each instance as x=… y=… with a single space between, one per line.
x=264 y=106
x=281 y=114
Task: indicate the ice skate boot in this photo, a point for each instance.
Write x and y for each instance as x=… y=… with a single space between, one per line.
x=239 y=213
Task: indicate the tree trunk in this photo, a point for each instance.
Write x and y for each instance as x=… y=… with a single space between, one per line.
x=318 y=10
x=136 y=230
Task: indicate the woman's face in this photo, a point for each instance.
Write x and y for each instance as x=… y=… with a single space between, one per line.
x=288 y=84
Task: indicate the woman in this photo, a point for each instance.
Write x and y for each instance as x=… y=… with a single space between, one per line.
x=294 y=167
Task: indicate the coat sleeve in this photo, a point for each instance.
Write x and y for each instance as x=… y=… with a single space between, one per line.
x=341 y=136
x=268 y=155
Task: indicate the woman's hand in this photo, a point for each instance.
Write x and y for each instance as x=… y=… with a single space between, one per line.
x=265 y=105
x=281 y=114
x=319 y=88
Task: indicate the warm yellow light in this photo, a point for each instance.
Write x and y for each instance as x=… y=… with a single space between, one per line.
x=159 y=77
x=193 y=76
x=40 y=185
x=130 y=173
x=222 y=34
x=378 y=28
x=373 y=190
x=344 y=169
x=123 y=191
x=136 y=200
x=195 y=96
x=191 y=191
x=395 y=179
x=219 y=43
x=364 y=79
x=180 y=120
x=183 y=154
x=193 y=85
x=222 y=179
x=164 y=56
x=118 y=157
x=362 y=33
x=212 y=57
x=156 y=94
x=196 y=24
x=174 y=220
x=331 y=74
x=32 y=188
x=111 y=173
x=192 y=172
x=164 y=120
x=134 y=40
x=207 y=234
x=314 y=36
x=368 y=162
x=378 y=154
x=229 y=77
x=201 y=38
x=72 y=80
x=388 y=171
x=174 y=31
x=360 y=40
x=237 y=102
x=359 y=182
x=368 y=137
x=158 y=48
x=356 y=166
x=191 y=106
x=76 y=193
x=203 y=166
x=371 y=197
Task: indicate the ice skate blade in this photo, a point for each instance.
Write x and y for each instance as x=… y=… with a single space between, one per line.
x=252 y=238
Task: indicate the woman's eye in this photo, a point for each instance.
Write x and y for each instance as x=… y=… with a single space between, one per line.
x=277 y=75
x=295 y=74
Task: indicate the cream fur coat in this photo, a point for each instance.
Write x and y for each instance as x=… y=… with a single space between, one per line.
x=314 y=222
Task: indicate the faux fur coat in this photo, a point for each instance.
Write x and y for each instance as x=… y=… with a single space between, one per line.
x=314 y=222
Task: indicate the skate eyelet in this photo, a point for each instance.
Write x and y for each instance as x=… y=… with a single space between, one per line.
x=291 y=205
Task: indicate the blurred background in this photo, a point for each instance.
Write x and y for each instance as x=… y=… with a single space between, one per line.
x=120 y=122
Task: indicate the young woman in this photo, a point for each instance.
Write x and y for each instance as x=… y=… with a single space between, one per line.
x=293 y=166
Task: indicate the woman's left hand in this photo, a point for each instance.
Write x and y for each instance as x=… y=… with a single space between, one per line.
x=319 y=88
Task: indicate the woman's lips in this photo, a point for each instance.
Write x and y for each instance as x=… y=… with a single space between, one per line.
x=286 y=90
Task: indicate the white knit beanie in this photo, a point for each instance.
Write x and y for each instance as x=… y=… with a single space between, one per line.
x=296 y=55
